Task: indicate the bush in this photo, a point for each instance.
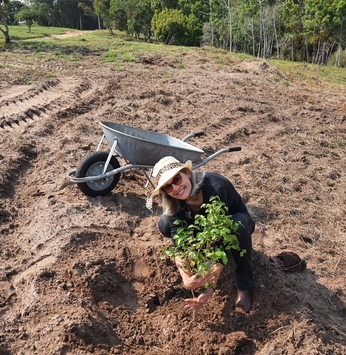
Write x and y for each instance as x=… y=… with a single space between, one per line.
x=171 y=26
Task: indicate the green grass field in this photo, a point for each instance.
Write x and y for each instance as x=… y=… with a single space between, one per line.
x=121 y=48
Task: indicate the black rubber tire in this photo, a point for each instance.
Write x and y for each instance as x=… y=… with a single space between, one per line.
x=92 y=165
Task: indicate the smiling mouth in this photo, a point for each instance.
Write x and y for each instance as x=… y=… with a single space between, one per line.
x=181 y=191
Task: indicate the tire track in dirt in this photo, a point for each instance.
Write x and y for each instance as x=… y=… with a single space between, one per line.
x=30 y=117
x=37 y=106
x=42 y=101
x=34 y=254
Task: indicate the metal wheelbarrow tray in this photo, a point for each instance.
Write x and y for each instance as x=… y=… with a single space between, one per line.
x=99 y=172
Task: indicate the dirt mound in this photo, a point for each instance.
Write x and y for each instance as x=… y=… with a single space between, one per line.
x=82 y=275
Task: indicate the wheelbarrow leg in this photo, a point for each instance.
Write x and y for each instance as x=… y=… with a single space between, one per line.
x=99 y=146
x=110 y=155
x=148 y=176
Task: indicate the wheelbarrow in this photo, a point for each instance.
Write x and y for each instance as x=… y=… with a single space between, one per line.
x=99 y=172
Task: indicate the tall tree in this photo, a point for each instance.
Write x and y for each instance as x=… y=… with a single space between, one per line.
x=89 y=10
x=142 y=17
x=102 y=9
x=207 y=14
x=3 y=19
x=159 y=5
x=10 y=9
x=291 y=14
x=122 y=11
x=323 y=23
x=45 y=15
x=64 y=13
x=134 y=16
x=201 y=9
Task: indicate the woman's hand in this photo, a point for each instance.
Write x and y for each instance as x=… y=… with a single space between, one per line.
x=196 y=281
x=193 y=282
x=195 y=304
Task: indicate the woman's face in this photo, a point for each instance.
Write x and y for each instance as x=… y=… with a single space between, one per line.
x=179 y=187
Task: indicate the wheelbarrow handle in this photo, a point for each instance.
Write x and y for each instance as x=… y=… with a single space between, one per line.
x=234 y=149
x=224 y=150
x=197 y=134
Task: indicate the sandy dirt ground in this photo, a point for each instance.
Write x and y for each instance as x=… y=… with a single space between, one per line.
x=83 y=275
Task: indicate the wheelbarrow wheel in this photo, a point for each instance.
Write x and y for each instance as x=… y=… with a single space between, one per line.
x=93 y=165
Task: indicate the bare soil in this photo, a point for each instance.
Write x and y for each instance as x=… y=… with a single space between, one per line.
x=83 y=275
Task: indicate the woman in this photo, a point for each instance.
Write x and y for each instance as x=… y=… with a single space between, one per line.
x=183 y=192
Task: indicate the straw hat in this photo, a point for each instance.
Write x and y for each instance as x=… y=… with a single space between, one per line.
x=166 y=168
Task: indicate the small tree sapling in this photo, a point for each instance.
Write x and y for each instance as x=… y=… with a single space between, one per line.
x=205 y=242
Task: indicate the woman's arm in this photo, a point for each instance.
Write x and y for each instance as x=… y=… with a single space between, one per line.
x=183 y=269
x=195 y=304
x=193 y=282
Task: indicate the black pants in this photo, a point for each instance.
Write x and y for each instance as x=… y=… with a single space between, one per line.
x=244 y=277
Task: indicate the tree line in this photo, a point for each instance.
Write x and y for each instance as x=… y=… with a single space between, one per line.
x=313 y=31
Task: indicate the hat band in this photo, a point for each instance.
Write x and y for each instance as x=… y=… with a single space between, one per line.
x=167 y=168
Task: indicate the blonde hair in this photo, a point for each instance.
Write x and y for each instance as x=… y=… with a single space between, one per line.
x=171 y=205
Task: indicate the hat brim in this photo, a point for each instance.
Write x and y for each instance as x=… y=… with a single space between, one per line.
x=168 y=175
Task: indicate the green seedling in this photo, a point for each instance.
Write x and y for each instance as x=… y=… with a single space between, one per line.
x=205 y=242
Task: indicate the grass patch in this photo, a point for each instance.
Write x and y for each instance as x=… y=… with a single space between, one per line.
x=113 y=56
x=311 y=74
x=20 y=33
x=121 y=48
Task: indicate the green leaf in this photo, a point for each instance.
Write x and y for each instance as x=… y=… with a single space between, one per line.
x=207 y=239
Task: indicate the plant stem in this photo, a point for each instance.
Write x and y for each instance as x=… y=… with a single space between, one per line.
x=193 y=296
x=193 y=312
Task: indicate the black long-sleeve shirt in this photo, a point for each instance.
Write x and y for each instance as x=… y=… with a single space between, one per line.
x=213 y=185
